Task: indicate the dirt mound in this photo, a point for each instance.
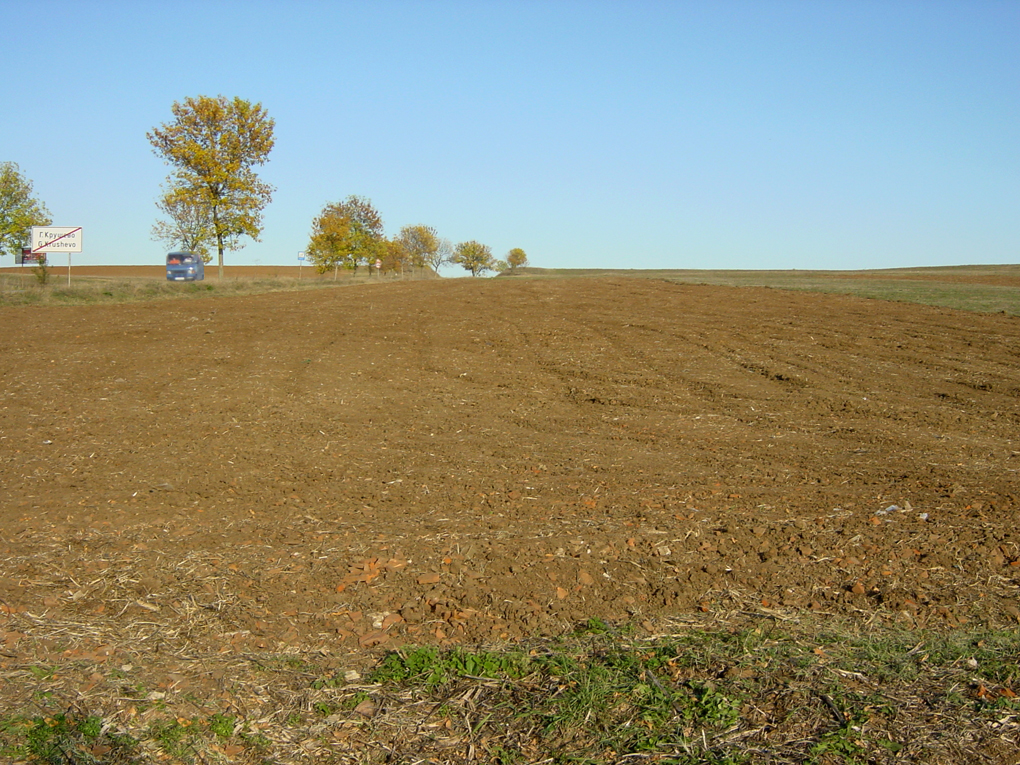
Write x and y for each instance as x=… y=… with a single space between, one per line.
x=465 y=460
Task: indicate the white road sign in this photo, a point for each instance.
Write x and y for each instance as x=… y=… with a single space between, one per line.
x=56 y=239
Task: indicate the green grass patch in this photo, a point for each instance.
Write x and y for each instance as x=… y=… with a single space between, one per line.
x=64 y=739
x=432 y=667
x=826 y=696
x=829 y=693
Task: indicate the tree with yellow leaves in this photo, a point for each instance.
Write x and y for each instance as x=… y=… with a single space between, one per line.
x=424 y=246
x=346 y=233
x=474 y=256
x=19 y=209
x=516 y=258
x=213 y=146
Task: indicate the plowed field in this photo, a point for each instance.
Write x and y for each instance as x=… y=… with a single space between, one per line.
x=347 y=470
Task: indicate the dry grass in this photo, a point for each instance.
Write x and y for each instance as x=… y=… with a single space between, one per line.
x=741 y=683
x=989 y=289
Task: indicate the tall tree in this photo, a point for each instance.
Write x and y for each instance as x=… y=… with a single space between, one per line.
x=475 y=257
x=213 y=145
x=346 y=234
x=187 y=223
x=19 y=209
x=424 y=246
x=516 y=258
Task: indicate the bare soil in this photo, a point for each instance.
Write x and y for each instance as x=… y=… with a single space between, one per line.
x=341 y=472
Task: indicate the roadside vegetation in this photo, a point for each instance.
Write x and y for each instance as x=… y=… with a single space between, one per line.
x=988 y=289
x=775 y=690
x=26 y=289
x=349 y=234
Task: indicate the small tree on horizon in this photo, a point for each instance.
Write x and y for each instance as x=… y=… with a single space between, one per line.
x=474 y=257
x=424 y=246
x=394 y=257
x=516 y=258
x=346 y=233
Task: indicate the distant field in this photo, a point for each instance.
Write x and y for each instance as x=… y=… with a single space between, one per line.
x=984 y=288
x=990 y=289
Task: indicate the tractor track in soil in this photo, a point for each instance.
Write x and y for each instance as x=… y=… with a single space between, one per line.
x=466 y=461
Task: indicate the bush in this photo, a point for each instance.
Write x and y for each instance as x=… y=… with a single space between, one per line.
x=42 y=273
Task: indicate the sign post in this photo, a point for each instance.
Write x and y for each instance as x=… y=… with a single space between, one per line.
x=47 y=239
x=300 y=263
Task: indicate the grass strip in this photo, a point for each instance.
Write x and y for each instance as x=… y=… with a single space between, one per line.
x=985 y=289
x=758 y=693
x=15 y=291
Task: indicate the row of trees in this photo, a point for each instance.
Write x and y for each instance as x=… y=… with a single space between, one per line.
x=349 y=234
x=213 y=195
x=19 y=209
x=477 y=258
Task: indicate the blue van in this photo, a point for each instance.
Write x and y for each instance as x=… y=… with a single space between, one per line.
x=184 y=267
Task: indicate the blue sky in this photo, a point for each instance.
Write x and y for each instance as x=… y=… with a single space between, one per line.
x=718 y=134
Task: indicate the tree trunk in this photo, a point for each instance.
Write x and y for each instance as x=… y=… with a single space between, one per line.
x=219 y=237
